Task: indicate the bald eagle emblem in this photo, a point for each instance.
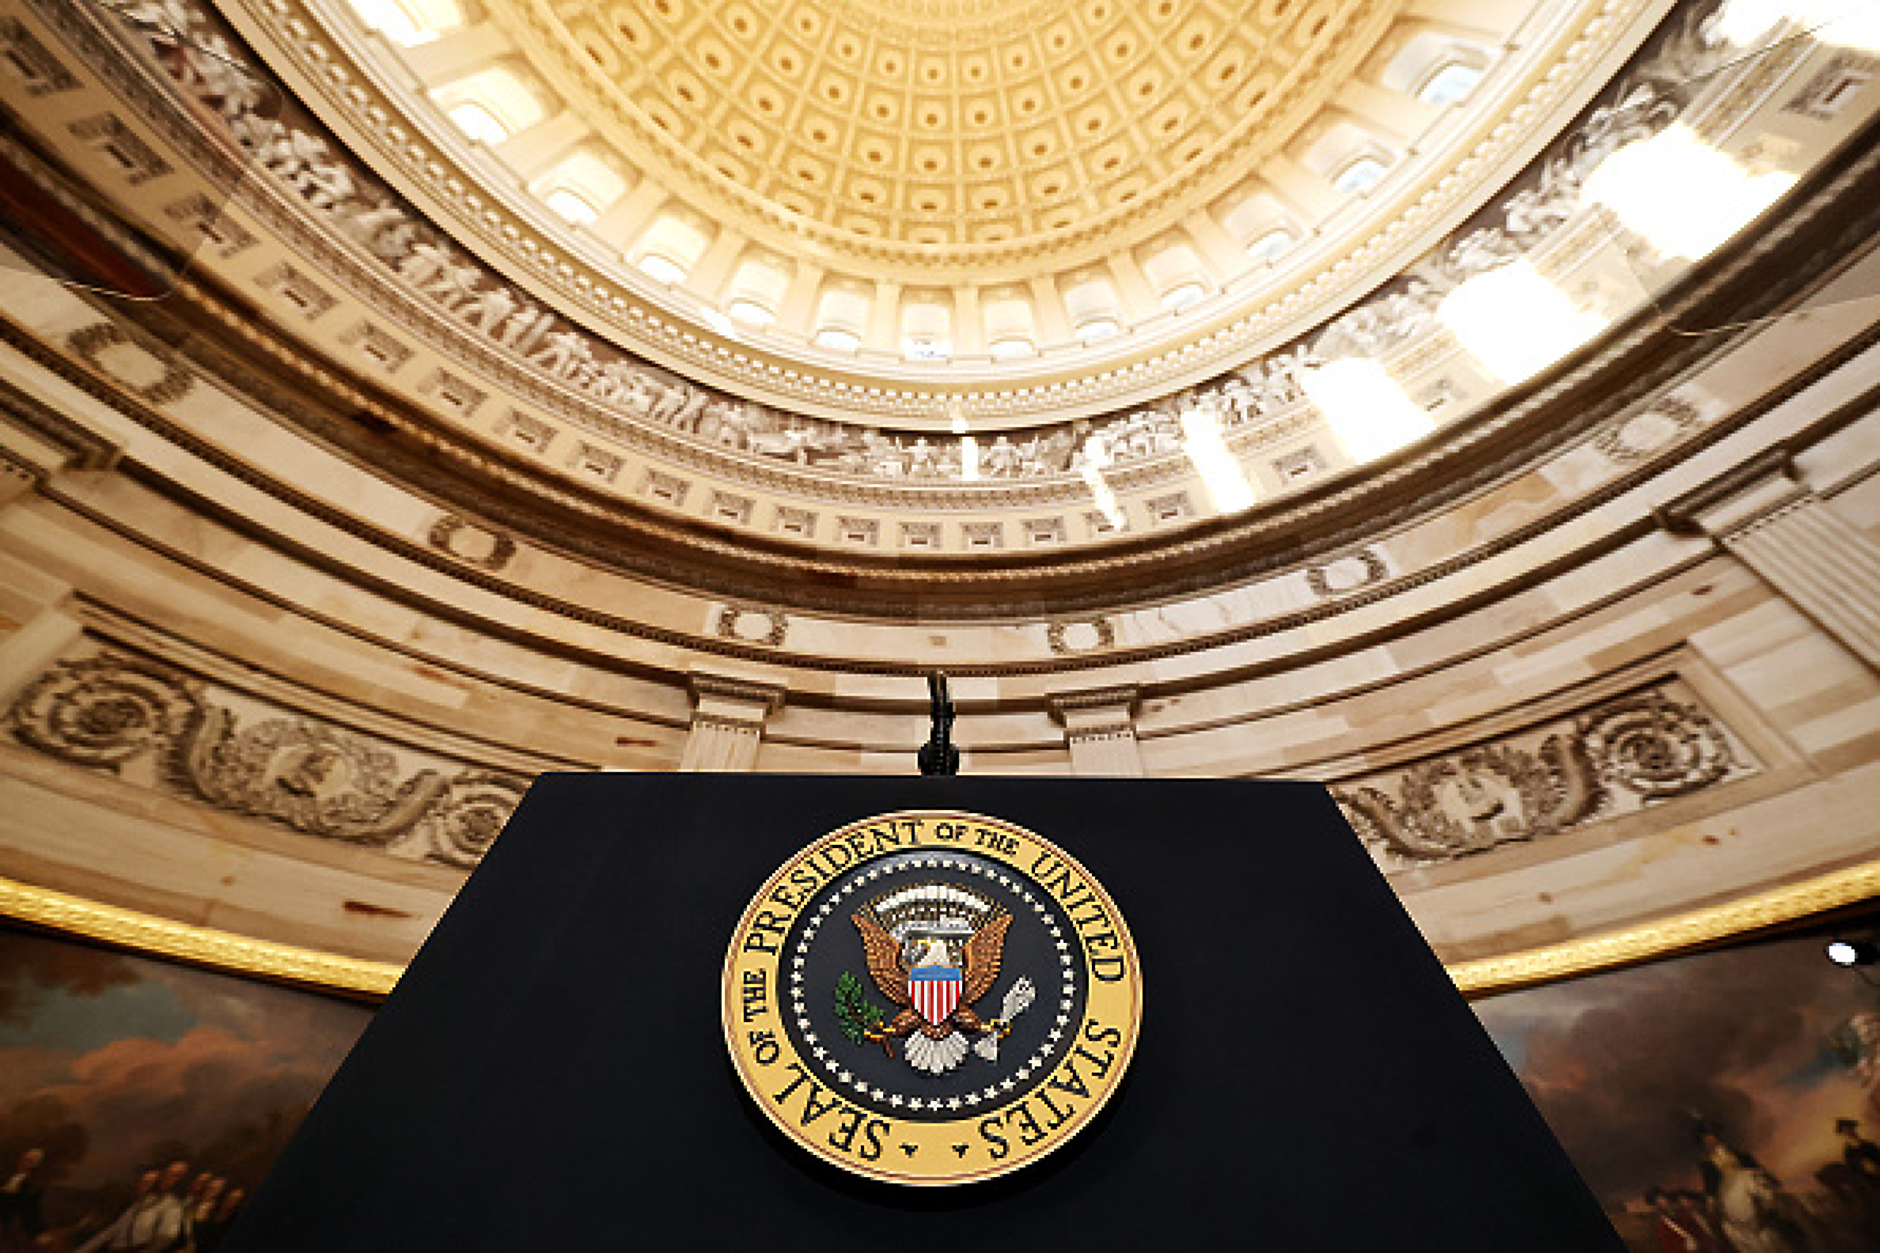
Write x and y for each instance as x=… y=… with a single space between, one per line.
x=933 y=950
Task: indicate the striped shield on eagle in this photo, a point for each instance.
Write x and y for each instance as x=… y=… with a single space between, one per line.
x=935 y=991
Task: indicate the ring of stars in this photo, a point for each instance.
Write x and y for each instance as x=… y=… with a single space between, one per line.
x=993 y=1091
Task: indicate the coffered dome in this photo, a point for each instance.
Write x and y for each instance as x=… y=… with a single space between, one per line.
x=937 y=139
x=997 y=209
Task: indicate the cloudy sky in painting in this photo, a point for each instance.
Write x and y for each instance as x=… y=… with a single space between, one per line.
x=143 y=1053
x=1623 y=1065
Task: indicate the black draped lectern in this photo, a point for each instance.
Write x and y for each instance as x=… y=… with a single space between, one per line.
x=551 y=1073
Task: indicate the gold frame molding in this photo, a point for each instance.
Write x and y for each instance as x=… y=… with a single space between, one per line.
x=148 y=935
x=286 y=963
x=1666 y=937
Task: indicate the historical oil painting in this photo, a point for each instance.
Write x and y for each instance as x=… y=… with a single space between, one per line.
x=141 y=1101
x=1722 y=1101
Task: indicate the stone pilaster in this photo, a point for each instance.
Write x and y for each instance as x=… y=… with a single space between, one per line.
x=1100 y=731
x=1797 y=543
x=728 y=716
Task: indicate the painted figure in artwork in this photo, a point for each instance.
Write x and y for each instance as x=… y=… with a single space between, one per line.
x=1673 y=1230
x=21 y=1219
x=1750 y=1202
x=156 y=1221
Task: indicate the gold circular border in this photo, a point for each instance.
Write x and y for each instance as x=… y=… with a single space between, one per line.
x=761 y=1078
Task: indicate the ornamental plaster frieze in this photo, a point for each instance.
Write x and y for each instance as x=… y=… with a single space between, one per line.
x=1613 y=759
x=397 y=307
x=1838 y=191
x=1772 y=239
x=1563 y=85
x=148 y=722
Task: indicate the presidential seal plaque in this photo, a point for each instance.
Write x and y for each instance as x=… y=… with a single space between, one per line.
x=931 y=997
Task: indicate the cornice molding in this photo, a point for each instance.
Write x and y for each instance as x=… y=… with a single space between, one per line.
x=763 y=698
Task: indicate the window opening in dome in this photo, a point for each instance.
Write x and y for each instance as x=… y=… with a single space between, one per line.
x=1514 y=322
x=1450 y=85
x=1093 y=457
x=570 y=207
x=662 y=269
x=1847 y=23
x=923 y=349
x=1220 y=470
x=479 y=123
x=751 y=313
x=1011 y=349
x=838 y=341
x=969 y=458
x=1094 y=308
x=409 y=23
x=1682 y=194
x=1359 y=176
x=1273 y=244
x=1368 y=410
x=492 y=104
x=1178 y=298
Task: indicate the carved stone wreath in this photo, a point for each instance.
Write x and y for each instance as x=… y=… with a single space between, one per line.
x=778 y=624
x=1638 y=436
x=1103 y=633
x=449 y=533
x=88 y=343
x=1318 y=578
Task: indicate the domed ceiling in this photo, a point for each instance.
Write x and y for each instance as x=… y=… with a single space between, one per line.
x=946 y=308
x=927 y=210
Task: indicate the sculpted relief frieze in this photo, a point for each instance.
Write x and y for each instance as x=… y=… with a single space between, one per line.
x=148 y=722
x=1618 y=757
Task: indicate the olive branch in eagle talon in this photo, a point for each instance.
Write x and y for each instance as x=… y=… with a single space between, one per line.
x=982 y=954
x=854 y=1011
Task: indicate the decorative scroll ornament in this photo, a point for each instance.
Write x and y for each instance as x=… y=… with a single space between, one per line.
x=107 y=711
x=1616 y=758
x=931 y=979
x=1487 y=796
x=312 y=777
x=1656 y=747
x=462 y=824
x=103 y=711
